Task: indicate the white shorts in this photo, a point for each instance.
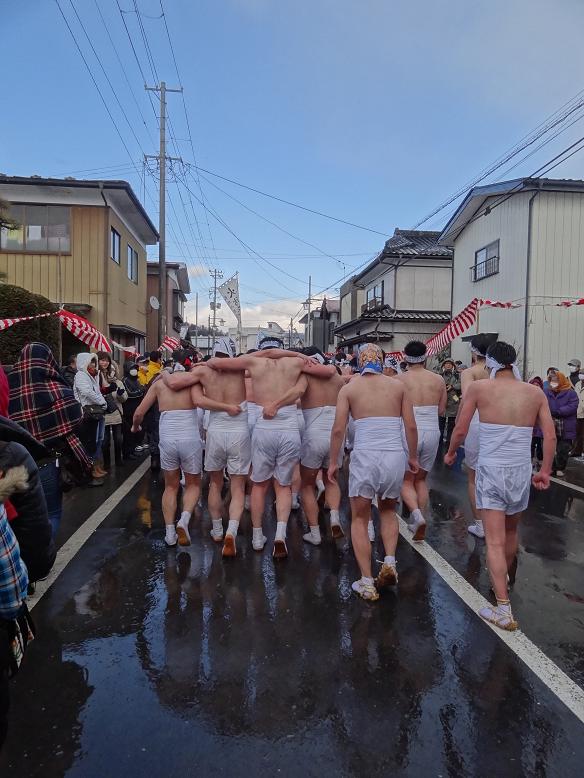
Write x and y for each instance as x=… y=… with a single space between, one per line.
x=301 y=422
x=180 y=443
x=276 y=447
x=373 y=472
x=231 y=450
x=471 y=443
x=428 y=442
x=503 y=488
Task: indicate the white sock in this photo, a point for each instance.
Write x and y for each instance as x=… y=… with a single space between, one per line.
x=170 y=532
x=232 y=527
x=389 y=560
x=335 y=518
x=367 y=580
x=257 y=535
x=479 y=523
x=217 y=526
x=281 y=530
x=320 y=485
x=417 y=516
x=315 y=532
x=185 y=517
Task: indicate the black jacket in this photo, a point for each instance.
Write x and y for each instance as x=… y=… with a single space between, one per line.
x=32 y=526
x=69 y=375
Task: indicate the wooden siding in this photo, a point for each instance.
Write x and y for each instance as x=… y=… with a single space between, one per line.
x=506 y=223
x=126 y=300
x=557 y=273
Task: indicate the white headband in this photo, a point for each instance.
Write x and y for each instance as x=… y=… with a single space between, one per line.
x=495 y=366
x=224 y=345
x=270 y=343
x=477 y=352
x=393 y=363
x=415 y=360
x=318 y=358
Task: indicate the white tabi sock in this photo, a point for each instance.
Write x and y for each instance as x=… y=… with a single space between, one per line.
x=185 y=517
x=367 y=580
x=218 y=526
x=416 y=516
x=335 y=518
x=315 y=532
x=170 y=533
x=281 y=530
x=257 y=535
x=232 y=527
x=389 y=560
x=479 y=523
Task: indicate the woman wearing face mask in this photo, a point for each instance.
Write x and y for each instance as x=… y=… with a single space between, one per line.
x=115 y=395
x=563 y=402
x=578 y=447
x=89 y=396
x=135 y=392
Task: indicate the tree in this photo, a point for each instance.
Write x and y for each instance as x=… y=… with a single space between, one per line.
x=5 y=220
x=14 y=302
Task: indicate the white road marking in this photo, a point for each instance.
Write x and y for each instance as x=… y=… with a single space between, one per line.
x=547 y=671
x=69 y=549
x=569 y=485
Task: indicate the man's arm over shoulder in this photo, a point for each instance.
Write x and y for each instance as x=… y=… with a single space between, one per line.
x=465 y=414
x=234 y=365
x=178 y=381
x=149 y=399
x=338 y=430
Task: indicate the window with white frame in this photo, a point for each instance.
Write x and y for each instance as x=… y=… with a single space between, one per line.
x=115 y=245
x=132 y=264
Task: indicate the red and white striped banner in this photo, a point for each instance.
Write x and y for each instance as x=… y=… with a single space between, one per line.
x=84 y=331
x=6 y=323
x=570 y=303
x=465 y=319
x=169 y=343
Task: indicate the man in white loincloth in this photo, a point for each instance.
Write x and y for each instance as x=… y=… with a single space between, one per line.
x=228 y=443
x=427 y=392
x=180 y=448
x=378 y=405
x=508 y=411
x=319 y=408
x=476 y=372
x=278 y=382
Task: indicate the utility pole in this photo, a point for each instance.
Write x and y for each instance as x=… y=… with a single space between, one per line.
x=161 y=157
x=215 y=274
x=309 y=328
x=197 y=320
x=290 y=338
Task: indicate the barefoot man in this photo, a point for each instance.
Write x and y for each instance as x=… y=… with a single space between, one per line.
x=427 y=392
x=508 y=411
x=378 y=404
x=278 y=382
x=228 y=441
x=477 y=372
x=319 y=407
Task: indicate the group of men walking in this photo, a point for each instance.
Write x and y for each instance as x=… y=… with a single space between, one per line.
x=273 y=417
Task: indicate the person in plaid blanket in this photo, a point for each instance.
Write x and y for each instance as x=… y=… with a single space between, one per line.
x=43 y=403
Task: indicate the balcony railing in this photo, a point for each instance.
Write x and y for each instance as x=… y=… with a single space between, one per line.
x=490 y=267
x=375 y=302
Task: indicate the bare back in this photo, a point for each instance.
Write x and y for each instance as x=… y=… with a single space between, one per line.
x=170 y=400
x=508 y=401
x=424 y=387
x=476 y=372
x=374 y=395
x=322 y=391
x=272 y=378
x=222 y=386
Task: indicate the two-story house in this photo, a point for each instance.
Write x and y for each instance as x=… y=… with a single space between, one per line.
x=177 y=288
x=324 y=319
x=82 y=244
x=522 y=241
x=403 y=294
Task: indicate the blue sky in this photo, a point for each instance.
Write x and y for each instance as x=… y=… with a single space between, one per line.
x=372 y=111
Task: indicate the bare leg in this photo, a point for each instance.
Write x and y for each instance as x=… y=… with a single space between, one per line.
x=422 y=489
x=309 y=502
x=411 y=496
x=360 y=512
x=477 y=528
x=170 y=496
x=511 y=542
x=295 y=488
x=191 y=492
x=494 y=522
x=333 y=500
x=238 y=485
x=409 y=493
x=388 y=526
x=215 y=503
x=258 y=501
x=283 y=508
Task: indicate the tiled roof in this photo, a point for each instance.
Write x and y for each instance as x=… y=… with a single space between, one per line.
x=387 y=313
x=416 y=243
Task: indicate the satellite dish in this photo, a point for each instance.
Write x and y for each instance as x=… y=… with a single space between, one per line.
x=154 y=303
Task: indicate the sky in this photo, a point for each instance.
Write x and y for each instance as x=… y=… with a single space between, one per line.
x=372 y=111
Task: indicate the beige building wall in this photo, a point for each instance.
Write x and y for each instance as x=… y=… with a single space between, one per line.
x=126 y=301
x=423 y=288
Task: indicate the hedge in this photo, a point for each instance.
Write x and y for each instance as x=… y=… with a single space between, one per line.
x=16 y=301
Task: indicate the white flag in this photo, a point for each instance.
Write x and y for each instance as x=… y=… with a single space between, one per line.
x=230 y=293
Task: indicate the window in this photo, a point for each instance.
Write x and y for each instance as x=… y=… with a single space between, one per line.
x=374 y=296
x=115 y=246
x=42 y=229
x=486 y=262
x=132 y=264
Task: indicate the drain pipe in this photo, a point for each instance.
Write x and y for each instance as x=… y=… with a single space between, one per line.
x=527 y=280
x=105 y=329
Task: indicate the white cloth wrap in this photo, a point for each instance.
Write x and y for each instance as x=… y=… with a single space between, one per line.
x=253 y=413
x=228 y=442
x=316 y=441
x=428 y=435
x=472 y=443
x=378 y=459
x=180 y=444
x=276 y=446
x=350 y=436
x=503 y=476
x=301 y=422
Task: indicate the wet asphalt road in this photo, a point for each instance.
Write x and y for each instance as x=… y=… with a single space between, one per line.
x=153 y=662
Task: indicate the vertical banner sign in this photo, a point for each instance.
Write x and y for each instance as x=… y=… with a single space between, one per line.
x=229 y=290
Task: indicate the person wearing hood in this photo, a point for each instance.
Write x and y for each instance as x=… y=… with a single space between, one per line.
x=574 y=366
x=135 y=393
x=578 y=448
x=89 y=396
x=42 y=403
x=453 y=394
x=563 y=403
x=115 y=395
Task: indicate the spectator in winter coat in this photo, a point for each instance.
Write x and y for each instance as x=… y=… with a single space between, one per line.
x=154 y=367
x=115 y=394
x=87 y=392
x=563 y=402
x=578 y=448
x=43 y=404
x=13 y=588
x=537 y=436
x=134 y=392
x=453 y=394
x=69 y=370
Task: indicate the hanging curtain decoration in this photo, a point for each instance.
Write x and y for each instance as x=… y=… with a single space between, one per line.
x=169 y=343
x=570 y=303
x=84 y=331
x=131 y=350
x=460 y=324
